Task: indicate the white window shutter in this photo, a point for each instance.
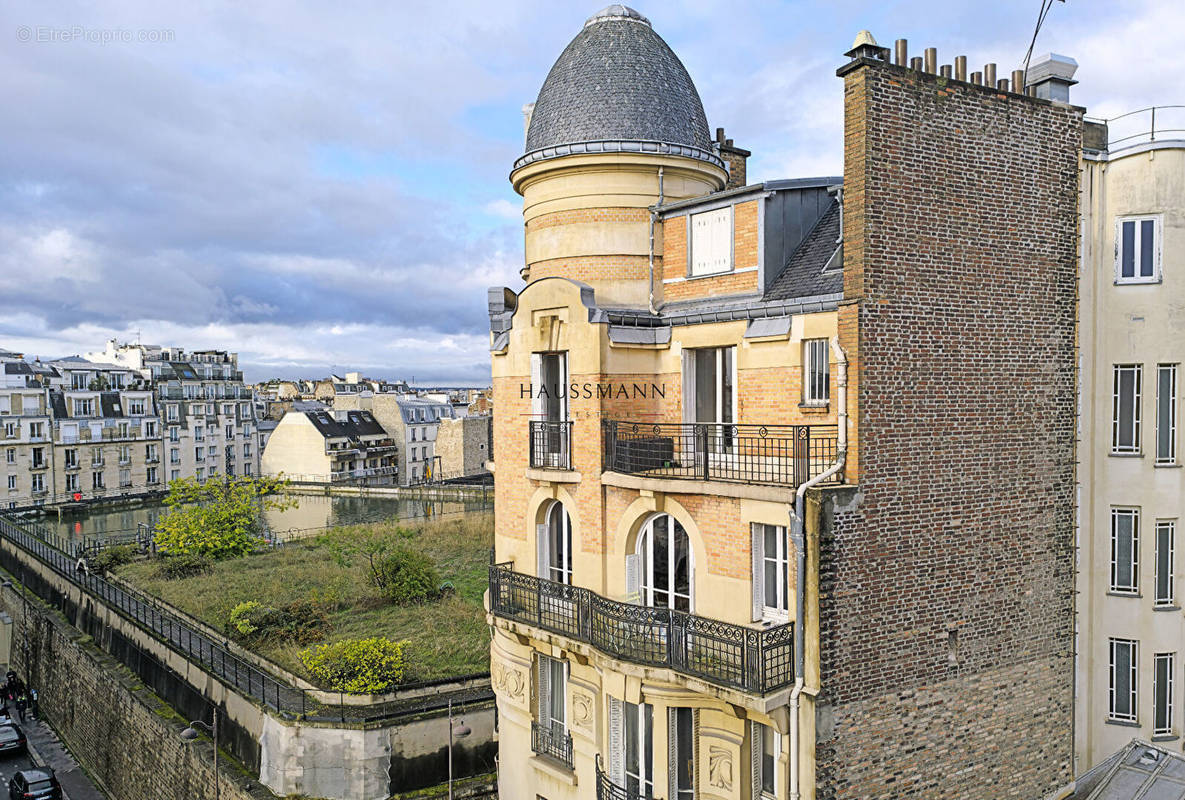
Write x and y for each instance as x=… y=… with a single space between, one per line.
x=616 y=741
x=633 y=578
x=541 y=560
x=672 y=753
x=757 y=533
x=543 y=694
x=564 y=391
x=688 y=387
x=755 y=747
x=536 y=383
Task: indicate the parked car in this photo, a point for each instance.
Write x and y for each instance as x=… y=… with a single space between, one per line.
x=12 y=739
x=35 y=784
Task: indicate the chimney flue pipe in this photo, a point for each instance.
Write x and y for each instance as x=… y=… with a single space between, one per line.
x=989 y=74
x=901 y=52
x=960 y=68
x=945 y=70
x=915 y=63
x=931 y=60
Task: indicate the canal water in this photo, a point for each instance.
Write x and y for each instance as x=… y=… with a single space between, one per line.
x=313 y=514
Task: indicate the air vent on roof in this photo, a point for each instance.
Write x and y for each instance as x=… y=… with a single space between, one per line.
x=1150 y=757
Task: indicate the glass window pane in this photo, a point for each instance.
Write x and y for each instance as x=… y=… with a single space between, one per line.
x=1165 y=401
x=771 y=583
x=726 y=384
x=684 y=744
x=1127 y=392
x=1147 y=245
x=767 y=759
x=1163 y=679
x=1122 y=679
x=1127 y=258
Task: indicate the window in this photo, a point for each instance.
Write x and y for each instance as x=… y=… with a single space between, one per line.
x=549 y=383
x=708 y=378
x=554 y=545
x=96 y=480
x=174 y=433
x=150 y=452
x=213 y=471
x=816 y=386
x=763 y=747
x=125 y=477
x=70 y=456
x=198 y=433
x=681 y=737
x=174 y=474
x=771 y=572
x=247 y=450
x=1166 y=414
x=84 y=407
x=78 y=380
x=10 y=455
x=1162 y=694
x=38 y=482
x=171 y=412
x=36 y=430
x=11 y=430
x=230 y=431
x=136 y=408
x=1125 y=550
x=551 y=695
x=247 y=469
x=660 y=571
x=11 y=483
x=72 y=482
x=152 y=475
x=246 y=431
x=1166 y=531
x=125 y=454
x=631 y=746
x=199 y=453
x=149 y=429
x=1137 y=250
x=1124 y=653
x=711 y=242
x=201 y=473
x=1125 y=409
x=413 y=434
x=174 y=455
x=212 y=451
x=38 y=458
x=124 y=430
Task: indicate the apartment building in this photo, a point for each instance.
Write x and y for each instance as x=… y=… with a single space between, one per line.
x=786 y=469
x=208 y=416
x=26 y=448
x=1133 y=488
x=106 y=445
x=331 y=447
x=411 y=421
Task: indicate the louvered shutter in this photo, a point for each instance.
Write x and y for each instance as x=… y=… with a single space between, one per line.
x=755 y=747
x=633 y=578
x=673 y=753
x=543 y=692
x=537 y=411
x=757 y=531
x=616 y=741
x=565 y=381
x=541 y=552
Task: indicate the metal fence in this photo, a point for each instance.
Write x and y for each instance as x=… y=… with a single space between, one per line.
x=757 y=660
x=196 y=646
x=608 y=790
x=787 y=455
x=1145 y=125
x=551 y=444
x=552 y=741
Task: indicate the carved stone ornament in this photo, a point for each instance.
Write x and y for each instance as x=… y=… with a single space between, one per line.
x=508 y=680
x=582 y=709
x=719 y=768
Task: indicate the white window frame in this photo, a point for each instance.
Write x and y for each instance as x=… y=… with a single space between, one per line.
x=619 y=710
x=1132 y=715
x=673 y=741
x=816 y=392
x=1134 y=587
x=762 y=559
x=11 y=482
x=1116 y=423
x=1166 y=399
x=758 y=734
x=1166 y=544
x=38 y=482
x=640 y=583
x=551 y=678
x=1137 y=247
x=726 y=413
x=554 y=566
x=1163 y=670
x=711 y=231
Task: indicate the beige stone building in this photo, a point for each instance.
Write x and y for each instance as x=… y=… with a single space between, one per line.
x=463 y=446
x=411 y=421
x=331 y=447
x=1131 y=628
x=26 y=445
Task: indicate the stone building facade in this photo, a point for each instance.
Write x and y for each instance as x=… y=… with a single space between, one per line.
x=784 y=505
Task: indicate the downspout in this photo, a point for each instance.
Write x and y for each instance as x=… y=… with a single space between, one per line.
x=653 y=217
x=798 y=537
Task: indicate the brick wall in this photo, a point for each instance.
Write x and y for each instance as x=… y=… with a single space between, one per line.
x=674 y=259
x=946 y=583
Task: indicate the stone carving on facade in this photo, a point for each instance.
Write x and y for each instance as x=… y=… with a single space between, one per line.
x=720 y=768
x=508 y=681
x=582 y=709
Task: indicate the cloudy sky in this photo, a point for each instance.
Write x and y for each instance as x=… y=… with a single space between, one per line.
x=323 y=185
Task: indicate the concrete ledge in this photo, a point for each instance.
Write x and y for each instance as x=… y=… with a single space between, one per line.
x=745 y=491
x=553 y=475
x=555 y=769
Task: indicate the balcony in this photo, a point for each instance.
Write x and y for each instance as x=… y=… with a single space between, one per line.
x=553 y=742
x=608 y=790
x=551 y=445
x=369 y=472
x=753 y=660
x=782 y=455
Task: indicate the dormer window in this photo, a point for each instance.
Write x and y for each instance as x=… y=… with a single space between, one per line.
x=711 y=243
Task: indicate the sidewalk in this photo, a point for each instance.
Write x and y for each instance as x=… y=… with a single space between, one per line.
x=46 y=750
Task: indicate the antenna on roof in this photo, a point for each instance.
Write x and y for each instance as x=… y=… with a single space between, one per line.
x=1045 y=6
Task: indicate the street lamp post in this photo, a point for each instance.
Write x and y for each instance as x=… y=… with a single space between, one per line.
x=190 y=733
x=460 y=731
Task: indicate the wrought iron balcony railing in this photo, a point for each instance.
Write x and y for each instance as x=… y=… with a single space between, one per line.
x=608 y=790
x=785 y=455
x=551 y=445
x=552 y=741
x=754 y=660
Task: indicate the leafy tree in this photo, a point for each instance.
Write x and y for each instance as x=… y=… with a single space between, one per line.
x=218 y=519
x=406 y=576
x=357 y=666
x=370 y=544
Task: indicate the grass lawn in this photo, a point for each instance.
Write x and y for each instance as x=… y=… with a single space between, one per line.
x=447 y=637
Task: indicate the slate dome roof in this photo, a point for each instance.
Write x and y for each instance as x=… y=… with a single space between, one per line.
x=619 y=85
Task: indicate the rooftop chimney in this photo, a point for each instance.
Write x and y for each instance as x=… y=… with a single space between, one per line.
x=1050 y=76
x=735 y=157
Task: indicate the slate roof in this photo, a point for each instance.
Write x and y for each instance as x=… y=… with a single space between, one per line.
x=618 y=80
x=1140 y=770
x=355 y=425
x=804 y=274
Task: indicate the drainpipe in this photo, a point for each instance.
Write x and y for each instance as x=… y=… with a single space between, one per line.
x=798 y=537
x=653 y=218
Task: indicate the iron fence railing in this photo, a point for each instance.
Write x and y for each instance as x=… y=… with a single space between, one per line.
x=551 y=444
x=608 y=790
x=1145 y=125
x=552 y=741
x=787 y=455
x=754 y=660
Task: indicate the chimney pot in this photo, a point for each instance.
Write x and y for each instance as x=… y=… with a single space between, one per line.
x=989 y=74
x=1018 y=80
x=915 y=63
x=945 y=70
x=961 y=68
x=720 y=134
x=901 y=52
x=931 y=60
x=977 y=78
x=1051 y=75
x=1002 y=84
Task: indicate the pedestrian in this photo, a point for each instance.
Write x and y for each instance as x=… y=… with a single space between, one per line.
x=22 y=702
x=80 y=568
x=33 y=703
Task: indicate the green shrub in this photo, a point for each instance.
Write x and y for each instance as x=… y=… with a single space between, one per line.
x=182 y=565
x=217 y=519
x=300 y=621
x=357 y=666
x=406 y=576
x=112 y=558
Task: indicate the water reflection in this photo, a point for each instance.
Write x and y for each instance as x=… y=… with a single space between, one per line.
x=313 y=514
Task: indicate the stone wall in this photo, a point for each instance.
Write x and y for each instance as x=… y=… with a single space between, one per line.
x=946 y=583
x=126 y=737
x=463 y=446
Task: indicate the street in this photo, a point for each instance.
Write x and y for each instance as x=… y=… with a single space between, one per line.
x=76 y=784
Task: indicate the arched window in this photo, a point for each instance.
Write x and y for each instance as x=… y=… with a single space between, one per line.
x=554 y=542
x=665 y=564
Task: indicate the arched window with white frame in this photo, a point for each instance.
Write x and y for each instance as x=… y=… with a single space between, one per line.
x=554 y=543
x=660 y=572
